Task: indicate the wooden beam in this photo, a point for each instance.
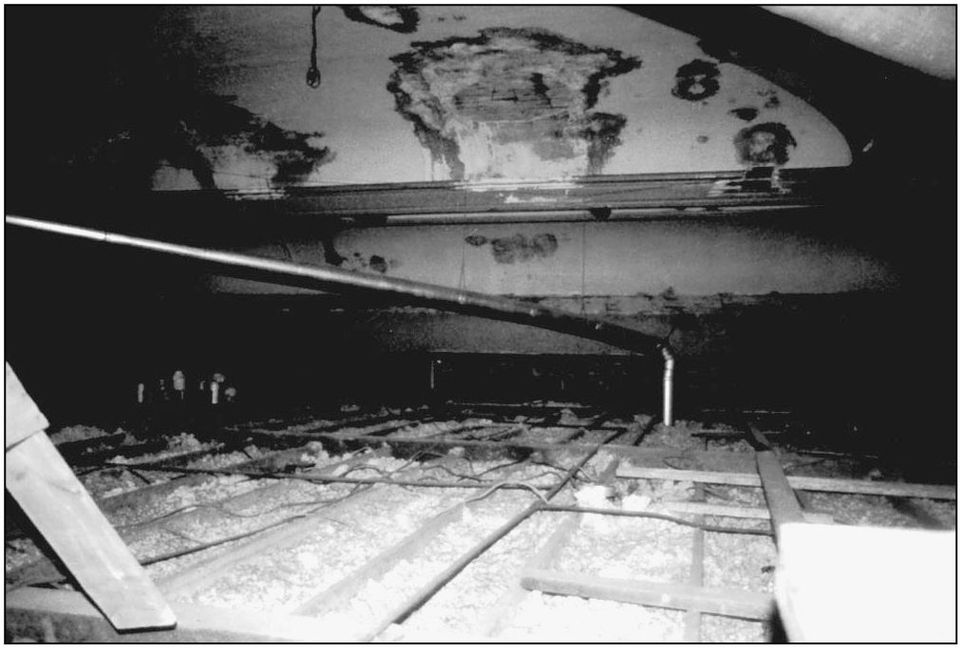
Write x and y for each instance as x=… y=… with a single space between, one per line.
x=831 y=485
x=782 y=503
x=726 y=602
x=69 y=520
x=68 y=617
x=727 y=459
x=503 y=610
x=692 y=619
x=733 y=511
x=208 y=571
x=496 y=617
x=414 y=543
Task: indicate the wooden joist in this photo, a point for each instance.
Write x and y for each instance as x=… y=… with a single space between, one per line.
x=723 y=459
x=832 y=485
x=732 y=511
x=692 y=619
x=725 y=602
x=208 y=571
x=69 y=520
x=411 y=545
x=782 y=503
x=67 y=616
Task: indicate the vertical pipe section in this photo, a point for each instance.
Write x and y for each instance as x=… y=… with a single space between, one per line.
x=668 y=386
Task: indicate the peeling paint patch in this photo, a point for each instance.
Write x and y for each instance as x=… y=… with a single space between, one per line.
x=767 y=143
x=746 y=113
x=378 y=264
x=696 y=81
x=400 y=19
x=771 y=98
x=510 y=103
x=374 y=263
x=517 y=248
x=226 y=146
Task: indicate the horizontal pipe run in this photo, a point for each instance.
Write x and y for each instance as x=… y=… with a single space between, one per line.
x=327 y=276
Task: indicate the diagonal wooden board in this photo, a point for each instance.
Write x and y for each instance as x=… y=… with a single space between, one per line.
x=65 y=514
x=67 y=617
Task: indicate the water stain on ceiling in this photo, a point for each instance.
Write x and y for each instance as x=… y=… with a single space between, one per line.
x=404 y=20
x=764 y=144
x=226 y=146
x=517 y=248
x=510 y=103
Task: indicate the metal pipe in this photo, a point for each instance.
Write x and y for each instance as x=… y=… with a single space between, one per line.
x=327 y=276
x=668 y=385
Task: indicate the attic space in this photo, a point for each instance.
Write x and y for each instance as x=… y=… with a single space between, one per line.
x=463 y=323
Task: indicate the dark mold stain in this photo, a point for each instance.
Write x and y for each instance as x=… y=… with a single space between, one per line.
x=702 y=139
x=696 y=80
x=764 y=144
x=329 y=252
x=746 y=113
x=215 y=122
x=603 y=133
x=401 y=19
x=771 y=99
x=600 y=212
x=519 y=89
x=476 y=240
x=520 y=248
x=378 y=264
x=719 y=51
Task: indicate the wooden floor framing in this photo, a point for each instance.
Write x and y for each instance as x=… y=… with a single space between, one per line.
x=61 y=615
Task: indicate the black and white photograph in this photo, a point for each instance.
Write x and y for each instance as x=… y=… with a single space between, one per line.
x=493 y=323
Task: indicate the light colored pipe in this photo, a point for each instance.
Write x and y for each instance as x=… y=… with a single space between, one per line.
x=668 y=385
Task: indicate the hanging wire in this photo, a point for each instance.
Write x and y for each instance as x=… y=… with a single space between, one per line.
x=313 y=77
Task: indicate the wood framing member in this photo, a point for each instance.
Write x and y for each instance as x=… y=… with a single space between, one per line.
x=831 y=485
x=733 y=511
x=69 y=520
x=725 y=602
x=67 y=617
x=731 y=460
x=782 y=503
x=496 y=617
x=208 y=571
x=343 y=590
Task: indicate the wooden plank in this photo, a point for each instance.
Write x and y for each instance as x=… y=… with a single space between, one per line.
x=68 y=617
x=782 y=503
x=494 y=620
x=69 y=520
x=728 y=459
x=724 y=602
x=208 y=571
x=496 y=617
x=43 y=570
x=429 y=589
x=692 y=619
x=733 y=511
x=412 y=544
x=142 y=495
x=831 y=485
